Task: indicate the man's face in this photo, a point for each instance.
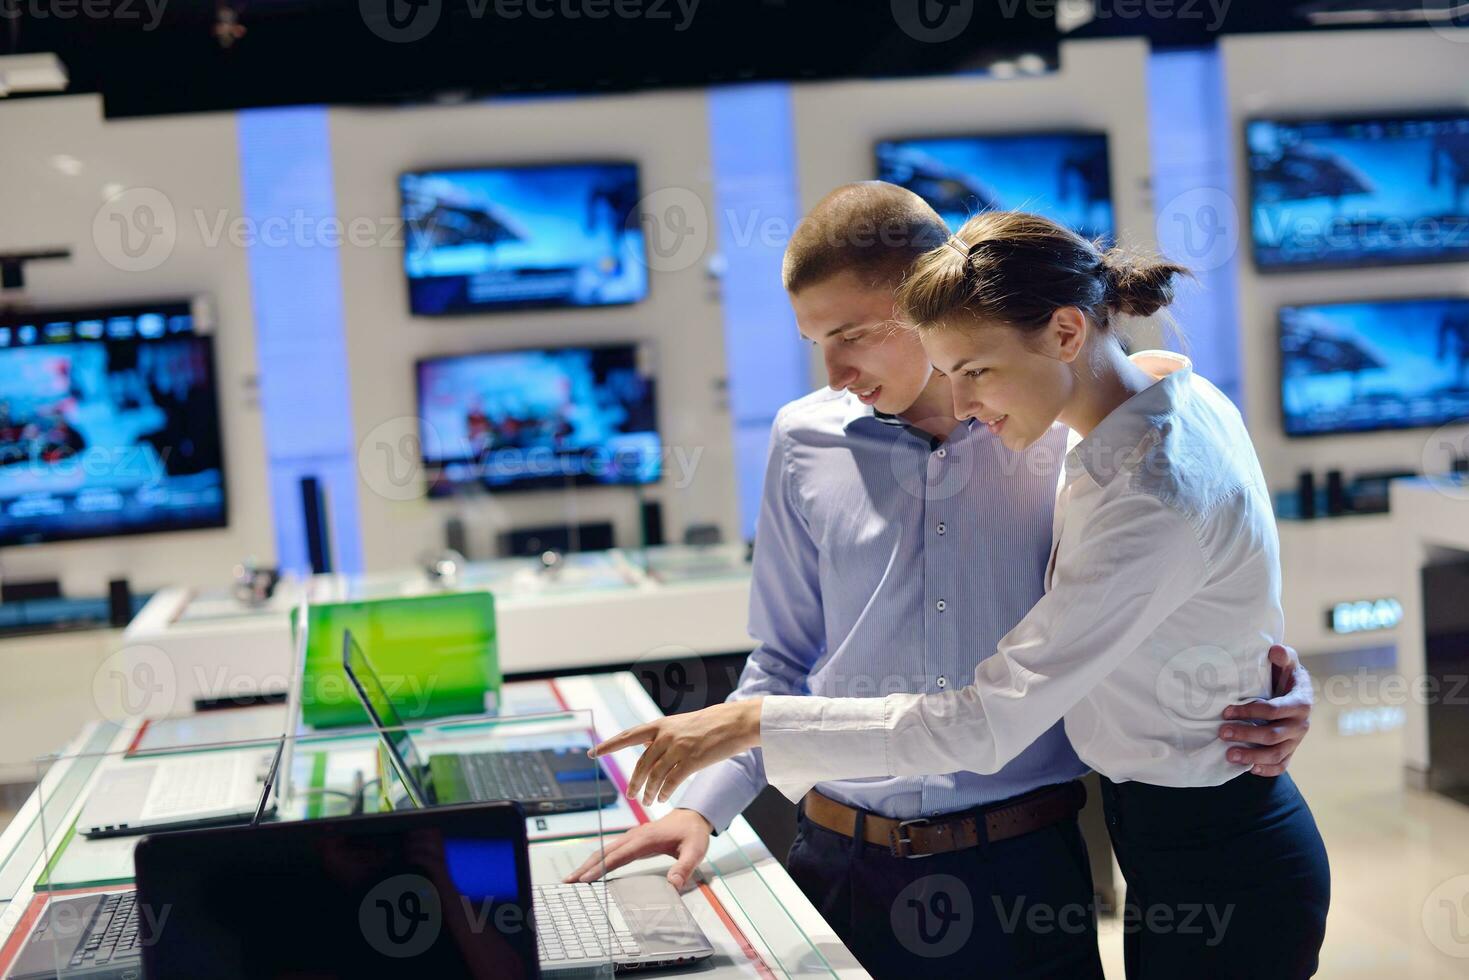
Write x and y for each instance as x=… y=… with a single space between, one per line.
x=867 y=351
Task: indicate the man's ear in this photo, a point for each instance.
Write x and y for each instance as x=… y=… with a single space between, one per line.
x=1068 y=332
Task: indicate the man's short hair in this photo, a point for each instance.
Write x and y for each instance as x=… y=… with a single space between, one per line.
x=872 y=229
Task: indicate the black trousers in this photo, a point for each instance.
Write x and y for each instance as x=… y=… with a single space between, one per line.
x=1021 y=908
x=1222 y=881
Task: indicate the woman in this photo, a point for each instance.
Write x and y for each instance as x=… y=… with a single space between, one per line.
x=1163 y=598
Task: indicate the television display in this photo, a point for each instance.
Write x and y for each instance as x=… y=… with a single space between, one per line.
x=514 y=237
x=1359 y=367
x=512 y=420
x=1358 y=191
x=109 y=424
x=1064 y=176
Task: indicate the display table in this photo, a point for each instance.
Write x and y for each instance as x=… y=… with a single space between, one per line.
x=1431 y=524
x=759 y=921
x=597 y=609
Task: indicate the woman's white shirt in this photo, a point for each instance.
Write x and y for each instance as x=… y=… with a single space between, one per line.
x=1162 y=601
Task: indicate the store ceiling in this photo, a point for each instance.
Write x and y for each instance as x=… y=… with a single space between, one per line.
x=151 y=57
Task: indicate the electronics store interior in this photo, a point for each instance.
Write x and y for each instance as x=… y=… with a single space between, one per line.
x=573 y=487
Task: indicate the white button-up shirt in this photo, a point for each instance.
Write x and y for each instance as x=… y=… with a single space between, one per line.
x=1162 y=601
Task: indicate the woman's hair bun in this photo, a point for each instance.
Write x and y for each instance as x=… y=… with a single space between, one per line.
x=1139 y=286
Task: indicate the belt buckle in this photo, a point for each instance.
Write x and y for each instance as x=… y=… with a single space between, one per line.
x=900 y=839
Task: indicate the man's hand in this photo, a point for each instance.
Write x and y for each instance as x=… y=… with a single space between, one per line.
x=1277 y=725
x=680 y=745
x=683 y=834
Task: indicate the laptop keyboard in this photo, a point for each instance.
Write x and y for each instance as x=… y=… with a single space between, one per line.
x=507 y=776
x=577 y=922
x=113 y=934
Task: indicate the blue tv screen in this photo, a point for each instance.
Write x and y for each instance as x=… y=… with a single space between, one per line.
x=1359 y=367
x=516 y=420
x=1333 y=193
x=109 y=424
x=1064 y=176
x=515 y=237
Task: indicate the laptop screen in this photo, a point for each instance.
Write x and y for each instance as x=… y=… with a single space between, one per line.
x=379 y=706
x=443 y=892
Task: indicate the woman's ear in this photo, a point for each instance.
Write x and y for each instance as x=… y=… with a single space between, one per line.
x=1068 y=332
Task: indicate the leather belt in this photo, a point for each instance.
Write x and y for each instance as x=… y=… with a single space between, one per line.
x=1014 y=817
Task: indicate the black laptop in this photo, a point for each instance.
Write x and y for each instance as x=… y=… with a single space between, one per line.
x=541 y=780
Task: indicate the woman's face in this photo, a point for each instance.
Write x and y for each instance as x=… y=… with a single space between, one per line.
x=1015 y=383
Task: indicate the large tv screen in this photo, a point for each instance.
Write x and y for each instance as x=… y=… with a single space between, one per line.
x=1064 y=176
x=109 y=424
x=1359 y=367
x=514 y=237
x=514 y=420
x=1382 y=190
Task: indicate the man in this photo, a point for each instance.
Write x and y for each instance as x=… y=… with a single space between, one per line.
x=895 y=547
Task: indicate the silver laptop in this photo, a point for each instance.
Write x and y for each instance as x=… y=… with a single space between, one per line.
x=138 y=796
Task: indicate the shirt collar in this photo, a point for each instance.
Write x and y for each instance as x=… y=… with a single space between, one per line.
x=854 y=410
x=1121 y=436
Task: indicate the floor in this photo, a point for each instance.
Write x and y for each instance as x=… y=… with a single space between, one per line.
x=1399 y=858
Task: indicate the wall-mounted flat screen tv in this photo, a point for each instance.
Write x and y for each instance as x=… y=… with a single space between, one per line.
x=501 y=238
x=1065 y=176
x=1365 y=366
x=523 y=419
x=1360 y=191
x=109 y=424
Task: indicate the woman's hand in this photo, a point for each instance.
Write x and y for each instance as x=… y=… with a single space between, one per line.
x=680 y=745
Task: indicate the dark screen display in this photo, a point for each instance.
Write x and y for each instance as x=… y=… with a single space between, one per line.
x=442 y=892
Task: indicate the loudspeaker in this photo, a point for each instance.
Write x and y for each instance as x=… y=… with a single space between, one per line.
x=1306 y=493
x=318 y=535
x=652 y=523
x=119 y=603
x=455 y=538
x=531 y=541
x=1336 y=494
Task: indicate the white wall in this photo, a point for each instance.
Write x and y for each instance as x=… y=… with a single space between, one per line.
x=1332 y=73
x=1101 y=85
x=667 y=133
x=194 y=163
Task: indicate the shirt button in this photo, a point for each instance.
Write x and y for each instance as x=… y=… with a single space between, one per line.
x=943 y=681
x=941 y=605
x=943 y=452
x=941 y=529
